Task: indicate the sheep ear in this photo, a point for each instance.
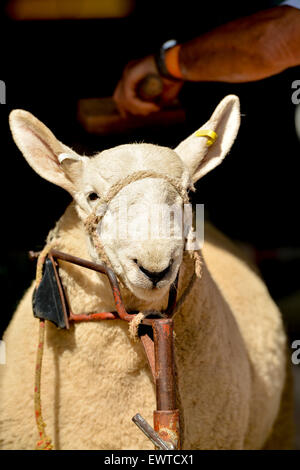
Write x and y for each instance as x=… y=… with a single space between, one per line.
x=44 y=153
x=199 y=157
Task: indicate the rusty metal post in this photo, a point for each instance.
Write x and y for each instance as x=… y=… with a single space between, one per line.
x=166 y=416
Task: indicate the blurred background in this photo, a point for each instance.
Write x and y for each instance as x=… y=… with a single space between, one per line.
x=56 y=52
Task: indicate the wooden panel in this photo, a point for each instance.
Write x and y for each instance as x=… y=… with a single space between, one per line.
x=101 y=116
x=68 y=9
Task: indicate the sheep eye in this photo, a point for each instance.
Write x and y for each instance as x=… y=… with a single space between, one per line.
x=93 y=196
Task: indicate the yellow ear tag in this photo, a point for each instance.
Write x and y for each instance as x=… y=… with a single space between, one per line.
x=211 y=136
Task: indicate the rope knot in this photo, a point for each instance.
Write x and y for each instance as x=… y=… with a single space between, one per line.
x=134 y=324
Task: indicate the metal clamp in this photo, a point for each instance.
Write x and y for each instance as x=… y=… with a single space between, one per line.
x=145 y=427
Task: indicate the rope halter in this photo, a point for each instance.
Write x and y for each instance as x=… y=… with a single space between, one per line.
x=92 y=221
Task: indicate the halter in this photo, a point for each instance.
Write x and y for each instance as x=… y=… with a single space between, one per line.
x=159 y=352
x=92 y=221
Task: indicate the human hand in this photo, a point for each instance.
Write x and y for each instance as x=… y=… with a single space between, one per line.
x=125 y=94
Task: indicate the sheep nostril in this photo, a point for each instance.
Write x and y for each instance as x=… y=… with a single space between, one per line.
x=155 y=276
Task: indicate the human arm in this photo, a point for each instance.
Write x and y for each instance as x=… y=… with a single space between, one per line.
x=246 y=49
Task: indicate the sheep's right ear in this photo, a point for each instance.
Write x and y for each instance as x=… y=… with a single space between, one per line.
x=50 y=158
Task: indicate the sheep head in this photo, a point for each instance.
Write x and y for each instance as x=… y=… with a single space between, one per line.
x=132 y=230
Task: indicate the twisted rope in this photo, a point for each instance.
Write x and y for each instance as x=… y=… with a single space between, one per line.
x=44 y=442
x=94 y=218
x=196 y=275
x=134 y=324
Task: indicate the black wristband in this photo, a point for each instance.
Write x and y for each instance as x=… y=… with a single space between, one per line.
x=160 y=60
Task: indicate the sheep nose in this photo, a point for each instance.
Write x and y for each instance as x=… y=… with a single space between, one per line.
x=155 y=276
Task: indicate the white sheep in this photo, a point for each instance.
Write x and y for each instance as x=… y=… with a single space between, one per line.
x=230 y=346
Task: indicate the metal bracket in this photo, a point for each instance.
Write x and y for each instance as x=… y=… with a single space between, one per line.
x=145 y=427
x=159 y=350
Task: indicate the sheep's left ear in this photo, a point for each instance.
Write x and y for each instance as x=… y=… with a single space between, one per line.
x=195 y=151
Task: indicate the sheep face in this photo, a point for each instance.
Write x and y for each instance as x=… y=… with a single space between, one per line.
x=141 y=228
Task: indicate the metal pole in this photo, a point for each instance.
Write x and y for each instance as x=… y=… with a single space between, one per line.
x=166 y=416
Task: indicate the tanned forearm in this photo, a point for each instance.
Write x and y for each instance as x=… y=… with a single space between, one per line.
x=246 y=49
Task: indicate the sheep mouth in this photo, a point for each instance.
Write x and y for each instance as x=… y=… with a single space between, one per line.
x=149 y=291
x=144 y=292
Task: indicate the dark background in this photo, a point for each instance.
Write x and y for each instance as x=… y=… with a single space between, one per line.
x=253 y=196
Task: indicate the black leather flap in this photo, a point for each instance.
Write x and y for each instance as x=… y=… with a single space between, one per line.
x=46 y=301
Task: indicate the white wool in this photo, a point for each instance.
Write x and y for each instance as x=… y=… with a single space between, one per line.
x=230 y=342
